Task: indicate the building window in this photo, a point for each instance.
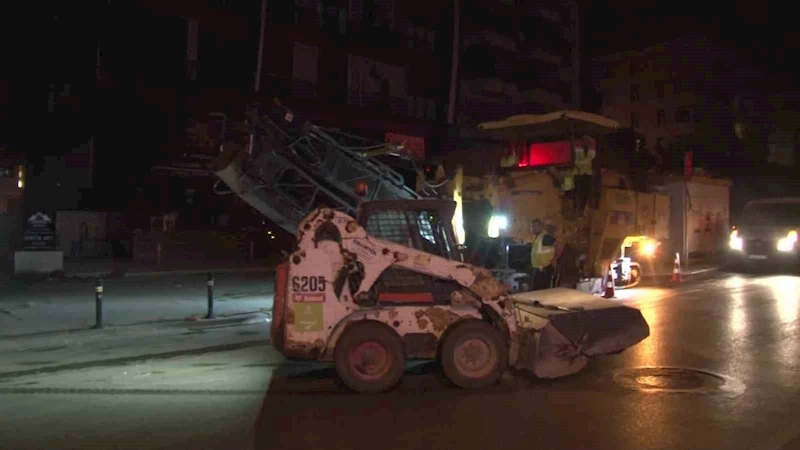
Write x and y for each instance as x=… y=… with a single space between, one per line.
x=543 y=33
x=683 y=115
x=374 y=84
x=661 y=118
x=282 y=12
x=634 y=120
x=375 y=13
x=192 y=42
x=634 y=93
x=304 y=70
x=661 y=89
x=331 y=17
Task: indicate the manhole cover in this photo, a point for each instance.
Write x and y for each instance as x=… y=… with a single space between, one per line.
x=678 y=379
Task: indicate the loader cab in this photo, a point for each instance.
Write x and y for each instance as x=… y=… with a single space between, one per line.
x=425 y=225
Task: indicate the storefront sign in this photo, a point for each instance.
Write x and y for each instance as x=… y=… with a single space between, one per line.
x=413 y=146
x=40 y=233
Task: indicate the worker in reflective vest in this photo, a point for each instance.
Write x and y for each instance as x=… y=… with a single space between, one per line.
x=510 y=159
x=542 y=253
x=584 y=162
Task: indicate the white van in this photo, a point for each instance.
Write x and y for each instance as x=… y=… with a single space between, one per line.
x=767 y=232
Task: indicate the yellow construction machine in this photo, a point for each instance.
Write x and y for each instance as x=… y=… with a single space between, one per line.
x=621 y=226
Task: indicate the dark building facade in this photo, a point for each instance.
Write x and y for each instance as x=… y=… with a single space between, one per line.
x=374 y=67
x=379 y=68
x=519 y=57
x=689 y=95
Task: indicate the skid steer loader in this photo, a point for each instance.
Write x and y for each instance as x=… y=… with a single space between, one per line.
x=370 y=293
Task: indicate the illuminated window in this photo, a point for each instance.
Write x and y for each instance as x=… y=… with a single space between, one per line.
x=20 y=177
x=543 y=154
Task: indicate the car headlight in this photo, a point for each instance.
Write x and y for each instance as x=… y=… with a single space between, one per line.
x=787 y=244
x=736 y=243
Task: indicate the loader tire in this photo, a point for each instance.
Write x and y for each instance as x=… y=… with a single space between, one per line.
x=369 y=357
x=474 y=354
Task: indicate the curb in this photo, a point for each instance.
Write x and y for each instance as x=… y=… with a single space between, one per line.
x=219 y=320
x=165 y=273
x=684 y=274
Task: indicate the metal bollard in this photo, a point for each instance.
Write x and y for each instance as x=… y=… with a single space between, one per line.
x=210 y=284
x=98 y=304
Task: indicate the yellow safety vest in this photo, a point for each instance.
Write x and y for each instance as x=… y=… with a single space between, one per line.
x=541 y=255
x=569 y=181
x=509 y=161
x=583 y=161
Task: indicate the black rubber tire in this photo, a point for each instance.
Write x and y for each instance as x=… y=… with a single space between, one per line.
x=373 y=332
x=468 y=330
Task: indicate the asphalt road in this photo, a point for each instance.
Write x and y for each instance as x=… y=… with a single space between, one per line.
x=739 y=332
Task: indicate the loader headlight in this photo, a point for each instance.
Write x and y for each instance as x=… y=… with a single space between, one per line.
x=497 y=223
x=736 y=243
x=787 y=244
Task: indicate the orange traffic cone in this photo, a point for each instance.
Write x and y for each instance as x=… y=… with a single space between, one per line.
x=676 y=270
x=609 y=292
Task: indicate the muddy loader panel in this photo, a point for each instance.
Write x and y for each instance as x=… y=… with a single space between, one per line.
x=420 y=328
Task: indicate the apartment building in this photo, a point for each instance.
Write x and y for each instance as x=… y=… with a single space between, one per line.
x=689 y=94
x=518 y=57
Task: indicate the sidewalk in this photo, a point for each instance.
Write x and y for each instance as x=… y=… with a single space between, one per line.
x=122 y=268
x=68 y=304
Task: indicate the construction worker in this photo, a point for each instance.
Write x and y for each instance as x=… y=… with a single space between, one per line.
x=585 y=153
x=542 y=253
x=510 y=159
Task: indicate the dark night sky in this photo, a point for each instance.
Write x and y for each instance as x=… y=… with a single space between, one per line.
x=761 y=31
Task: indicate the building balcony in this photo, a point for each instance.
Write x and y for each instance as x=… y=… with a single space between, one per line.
x=381 y=44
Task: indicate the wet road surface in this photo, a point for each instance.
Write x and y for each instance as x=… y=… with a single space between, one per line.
x=743 y=328
x=739 y=332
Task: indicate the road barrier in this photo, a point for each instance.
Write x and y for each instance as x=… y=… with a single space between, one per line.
x=98 y=300
x=98 y=304
x=210 y=284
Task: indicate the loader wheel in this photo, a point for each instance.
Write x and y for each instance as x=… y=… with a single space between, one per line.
x=474 y=355
x=369 y=358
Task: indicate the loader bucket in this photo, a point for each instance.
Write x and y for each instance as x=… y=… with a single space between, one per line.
x=560 y=329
